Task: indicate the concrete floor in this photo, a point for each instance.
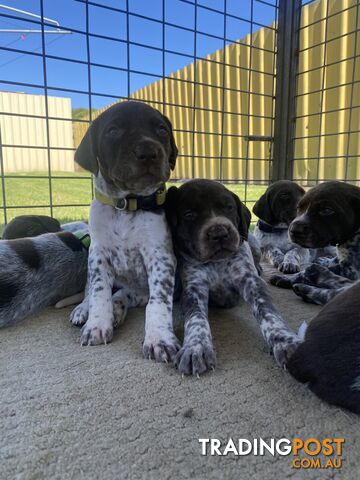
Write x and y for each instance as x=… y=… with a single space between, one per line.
x=71 y=412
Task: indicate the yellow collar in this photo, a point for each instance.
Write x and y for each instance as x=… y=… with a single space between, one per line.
x=132 y=203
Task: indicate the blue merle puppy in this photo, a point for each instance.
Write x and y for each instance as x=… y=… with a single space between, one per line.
x=216 y=267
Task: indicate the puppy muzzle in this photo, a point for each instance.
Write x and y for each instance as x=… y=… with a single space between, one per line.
x=218 y=239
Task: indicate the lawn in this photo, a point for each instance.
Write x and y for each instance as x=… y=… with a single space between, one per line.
x=71 y=196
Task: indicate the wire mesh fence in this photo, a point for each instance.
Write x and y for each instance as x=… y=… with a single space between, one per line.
x=327 y=140
x=209 y=65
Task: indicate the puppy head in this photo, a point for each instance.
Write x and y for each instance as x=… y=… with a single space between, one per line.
x=328 y=214
x=278 y=203
x=208 y=221
x=133 y=147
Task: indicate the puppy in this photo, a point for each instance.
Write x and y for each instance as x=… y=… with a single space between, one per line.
x=38 y=272
x=216 y=267
x=30 y=226
x=328 y=360
x=328 y=214
x=131 y=150
x=276 y=209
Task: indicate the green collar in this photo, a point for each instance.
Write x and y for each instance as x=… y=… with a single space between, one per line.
x=132 y=203
x=84 y=237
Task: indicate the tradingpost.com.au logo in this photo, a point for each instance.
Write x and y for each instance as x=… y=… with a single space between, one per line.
x=310 y=453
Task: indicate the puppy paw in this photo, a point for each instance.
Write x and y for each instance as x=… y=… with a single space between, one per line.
x=120 y=311
x=195 y=358
x=96 y=334
x=161 y=349
x=79 y=315
x=281 y=281
x=289 y=267
x=306 y=292
x=284 y=348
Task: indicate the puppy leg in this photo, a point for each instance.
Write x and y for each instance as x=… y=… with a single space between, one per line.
x=321 y=276
x=281 y=340
x=197 y=353
x=293 y=259
x=287 y=281
x=122 y=299
x=319 y=296
x=160 y=342
x=99 y=327
x=274 y=256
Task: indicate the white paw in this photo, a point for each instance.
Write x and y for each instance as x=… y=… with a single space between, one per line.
x=284 y=347
x=79 y=315
x=96 y=333
x=161 y=348
x=120 y=311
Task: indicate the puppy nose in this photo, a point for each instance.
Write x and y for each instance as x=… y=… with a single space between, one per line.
x=299 y=228
x=218 y=233
x=146 y=151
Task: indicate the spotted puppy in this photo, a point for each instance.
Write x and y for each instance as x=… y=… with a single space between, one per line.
x=328 y=214
x=130 y=149
x=38 y=272
x=276 y=209
x=328 y=360
x=216 y=267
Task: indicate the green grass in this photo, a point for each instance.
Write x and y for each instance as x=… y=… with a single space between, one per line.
x=34 y=193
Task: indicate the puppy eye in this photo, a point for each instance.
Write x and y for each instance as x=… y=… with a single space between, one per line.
x=162 y=130
x=326 y=212
x=112 y=131
x=189 y=215
x=229 y=208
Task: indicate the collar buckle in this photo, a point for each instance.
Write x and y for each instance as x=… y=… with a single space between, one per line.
x=121 y=204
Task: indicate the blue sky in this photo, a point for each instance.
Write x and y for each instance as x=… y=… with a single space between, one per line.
x=110 y=82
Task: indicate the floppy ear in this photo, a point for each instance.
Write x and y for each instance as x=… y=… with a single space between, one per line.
x=244 y=215
x=355 y=203
x=174 y=150
x=171 y=196
x=262 y=209
x=85 y=155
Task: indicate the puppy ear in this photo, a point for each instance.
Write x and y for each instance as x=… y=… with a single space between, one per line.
x=174 y=150
x=355 y=203
x=262 y=209
x=244 y=215
x=171 y=196
x=85 y=155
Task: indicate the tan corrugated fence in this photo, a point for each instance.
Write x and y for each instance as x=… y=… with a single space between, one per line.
x=26 y=136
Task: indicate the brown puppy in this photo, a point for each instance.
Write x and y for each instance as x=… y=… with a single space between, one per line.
x=276 y=209
x=328 y=360
x=328 y=214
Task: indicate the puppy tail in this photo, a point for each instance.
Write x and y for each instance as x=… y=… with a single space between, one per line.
x=72 y=300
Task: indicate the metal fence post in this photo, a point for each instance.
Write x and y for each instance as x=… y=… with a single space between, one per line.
x=286 y=68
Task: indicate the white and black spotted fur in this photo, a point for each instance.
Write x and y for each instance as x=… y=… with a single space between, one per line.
x=38 y=272
x=329 y=214
x=216 y=267
x=328 y=359
x=276 y=208
x=130 y=149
